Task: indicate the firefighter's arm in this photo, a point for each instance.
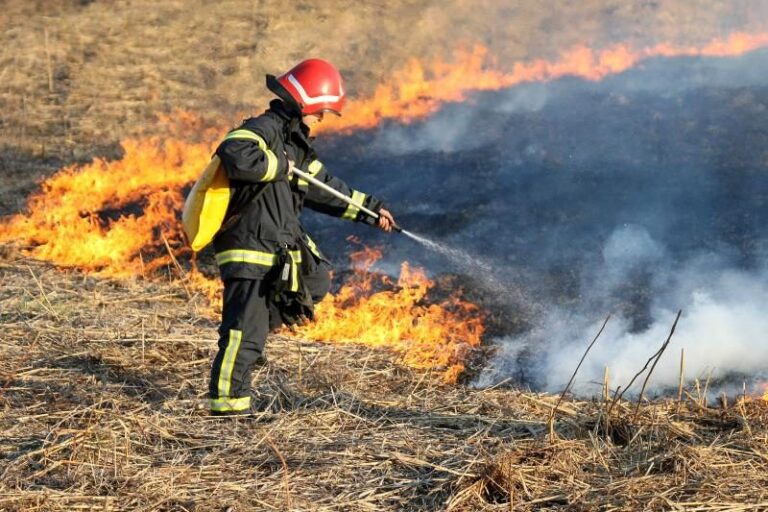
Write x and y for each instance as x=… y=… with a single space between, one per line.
x=325 y=202
x=247 y=157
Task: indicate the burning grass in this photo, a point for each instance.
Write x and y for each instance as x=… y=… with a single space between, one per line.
x=372 y=310
x=102 y=384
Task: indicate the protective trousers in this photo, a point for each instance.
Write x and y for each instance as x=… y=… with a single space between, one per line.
x=242 y=334
x=246 y=320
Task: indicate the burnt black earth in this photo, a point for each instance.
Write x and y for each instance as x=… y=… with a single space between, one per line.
x=638 y=195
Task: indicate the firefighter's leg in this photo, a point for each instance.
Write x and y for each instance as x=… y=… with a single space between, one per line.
x=242 y=334
x=318 y=281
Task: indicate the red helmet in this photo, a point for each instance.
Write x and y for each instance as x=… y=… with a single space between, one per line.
x=314 y=84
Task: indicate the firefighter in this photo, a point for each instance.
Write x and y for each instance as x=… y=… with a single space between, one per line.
x=272 y=270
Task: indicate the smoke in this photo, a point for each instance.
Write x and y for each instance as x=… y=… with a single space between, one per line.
x=722 y=330
x=639 y=196
x=449 y=129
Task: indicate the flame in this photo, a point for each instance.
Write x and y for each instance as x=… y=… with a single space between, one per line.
x=119 y=218
x=760 y=390
x=418 y=89
x=110 y=217
x=399 y=317
x=754 y=392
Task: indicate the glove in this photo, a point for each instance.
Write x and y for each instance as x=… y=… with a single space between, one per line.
x=293 y=306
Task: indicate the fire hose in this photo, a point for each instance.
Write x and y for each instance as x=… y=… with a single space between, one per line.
x=310 y=179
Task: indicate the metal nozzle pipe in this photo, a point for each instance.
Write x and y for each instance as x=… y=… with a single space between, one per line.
x=311 y=179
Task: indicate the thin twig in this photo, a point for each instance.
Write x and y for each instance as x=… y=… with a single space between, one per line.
x=655 y=362
x=551 y=420
x=618 y=396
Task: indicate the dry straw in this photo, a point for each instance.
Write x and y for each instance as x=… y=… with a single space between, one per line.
x=102 y=385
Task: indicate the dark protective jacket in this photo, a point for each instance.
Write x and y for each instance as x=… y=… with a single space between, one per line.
x=263 y=215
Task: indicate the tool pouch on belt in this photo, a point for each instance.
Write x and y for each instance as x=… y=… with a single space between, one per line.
x=289 y=294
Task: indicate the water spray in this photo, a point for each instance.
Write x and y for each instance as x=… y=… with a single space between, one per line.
x=461 y=258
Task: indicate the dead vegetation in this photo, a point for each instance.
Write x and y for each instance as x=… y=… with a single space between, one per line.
x=102 y=386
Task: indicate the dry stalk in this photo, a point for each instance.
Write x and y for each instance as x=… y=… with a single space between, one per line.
x=706 y=388
x=143 y=342
x=681 y=381
x=551 y=421
x=25 y=118
x=698 y=391
x=44 y=296
x=618 y=396
x=286 y=483
x=177 y=266
x=49 y=63
x=655 y=362
x=604 y=419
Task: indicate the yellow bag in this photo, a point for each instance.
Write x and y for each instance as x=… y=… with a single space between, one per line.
x=207 y=202
x=206 y=205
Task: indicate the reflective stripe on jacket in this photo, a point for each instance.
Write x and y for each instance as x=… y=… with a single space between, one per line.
x=255 y=157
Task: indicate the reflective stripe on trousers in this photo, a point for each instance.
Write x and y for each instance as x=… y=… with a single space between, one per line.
x=262 y=258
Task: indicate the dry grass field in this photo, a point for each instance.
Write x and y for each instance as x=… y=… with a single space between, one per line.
x=102 y=381
x=102 y=385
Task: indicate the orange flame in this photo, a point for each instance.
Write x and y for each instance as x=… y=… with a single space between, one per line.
x=82 y=215
x=418 y=90
x=399 y=317
x=761 y=390
x=756 y=392
x=115 y=218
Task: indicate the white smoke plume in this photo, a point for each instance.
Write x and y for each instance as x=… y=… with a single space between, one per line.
x=723 y=329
